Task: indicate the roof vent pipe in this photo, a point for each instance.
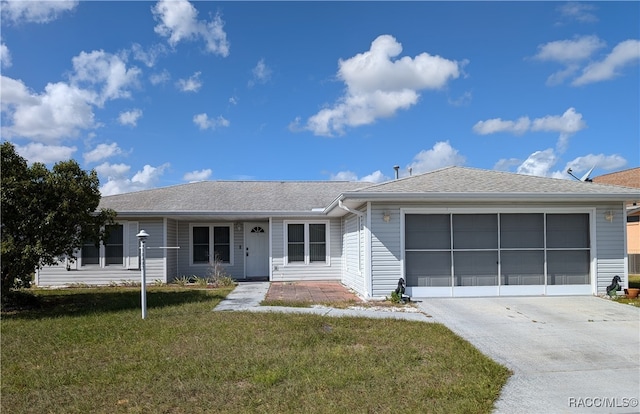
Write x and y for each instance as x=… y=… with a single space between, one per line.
x=397 y=168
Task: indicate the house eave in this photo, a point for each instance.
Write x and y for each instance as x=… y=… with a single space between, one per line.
x=218 y=215
x=354 y=199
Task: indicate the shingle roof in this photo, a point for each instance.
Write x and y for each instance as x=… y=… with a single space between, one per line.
x=232 y=196
x=626 y=178
x=471 y=180
x=267 y=197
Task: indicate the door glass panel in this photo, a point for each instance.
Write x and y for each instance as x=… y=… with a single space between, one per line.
x=567 y=230
x=522 y=267
x=568 y=267
x=475 y=231
x=432 y=269
x=427 y=231
x=521 y=231
x=475 y=268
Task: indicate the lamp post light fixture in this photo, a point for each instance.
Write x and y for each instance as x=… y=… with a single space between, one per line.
x=142 y=236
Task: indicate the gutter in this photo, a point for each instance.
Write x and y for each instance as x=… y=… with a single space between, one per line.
x=350 y=210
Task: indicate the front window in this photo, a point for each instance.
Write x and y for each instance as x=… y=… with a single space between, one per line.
x=209 y=243
x=114 y=246
x=307 y=243
x=111 y=252
x=201 y=245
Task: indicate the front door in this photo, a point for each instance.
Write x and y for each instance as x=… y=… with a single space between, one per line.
x=257 y=249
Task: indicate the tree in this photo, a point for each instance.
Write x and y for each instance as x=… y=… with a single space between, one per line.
x=45 y=215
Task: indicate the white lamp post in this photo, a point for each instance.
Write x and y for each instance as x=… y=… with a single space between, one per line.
x=142 y=236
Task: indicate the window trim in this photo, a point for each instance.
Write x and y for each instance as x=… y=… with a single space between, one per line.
x=307 y=257
x=211 y=227
x=102 y=259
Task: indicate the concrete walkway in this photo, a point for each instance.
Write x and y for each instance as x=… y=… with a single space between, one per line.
x=248 y=295
x=568 y=354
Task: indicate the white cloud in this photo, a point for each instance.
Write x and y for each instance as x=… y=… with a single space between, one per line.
x=574 y=53
x=150 y=56
x=625 y=53
x=204 y=122
x=198 y=175
x=161 y=77
x=566 y=125
x=571 y=53
x=101 y=152
x=344 y=176
x=463 y=100
x=61 y=111
x=64 y=109
x=178 y=20
x=113 y=171
x=566 y=51
x=539 y=163
x=5 y=56
x=569 y=122
x=492 y=126
x=261 y=73
x=35 y=11
x=46 y=154
x=130 y=117
x=506 y=164
x=118 y=182
x=542 y=163
x=193 y=84
x=579 y=11
x=601 y=161
x=100 y=68
x=374 y=177
x=441 y=155
x=377 y=86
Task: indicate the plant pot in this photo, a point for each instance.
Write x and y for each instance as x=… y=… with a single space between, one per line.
x=632 y=293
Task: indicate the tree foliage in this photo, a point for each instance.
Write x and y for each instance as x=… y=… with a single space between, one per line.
x=46 y=214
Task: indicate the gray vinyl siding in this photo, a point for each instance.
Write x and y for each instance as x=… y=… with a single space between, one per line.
x=611 y=246
x=171 y=254
x=185 y=268
x=282 y=272
x=93 y=275
x=352 y=274
x=386 y=265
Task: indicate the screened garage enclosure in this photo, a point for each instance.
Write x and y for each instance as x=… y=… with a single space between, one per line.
x=498 y=254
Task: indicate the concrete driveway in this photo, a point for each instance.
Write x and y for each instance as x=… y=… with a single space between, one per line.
x=567 y=354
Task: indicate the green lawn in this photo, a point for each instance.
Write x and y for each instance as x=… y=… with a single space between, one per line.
x=87 y=350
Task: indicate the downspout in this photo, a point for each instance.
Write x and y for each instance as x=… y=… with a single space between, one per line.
x=350 y=210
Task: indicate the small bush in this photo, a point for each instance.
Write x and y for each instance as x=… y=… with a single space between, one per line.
x=182 y=281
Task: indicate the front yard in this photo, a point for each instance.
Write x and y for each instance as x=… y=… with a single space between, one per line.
x=87 y=350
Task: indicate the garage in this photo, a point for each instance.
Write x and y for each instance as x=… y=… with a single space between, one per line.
x=507 y=252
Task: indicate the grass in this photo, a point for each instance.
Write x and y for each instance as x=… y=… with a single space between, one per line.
x=87 y=350
x=634 y=282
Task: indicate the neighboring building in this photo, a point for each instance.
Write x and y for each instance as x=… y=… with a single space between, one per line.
x=451 y=232
x=628 y=178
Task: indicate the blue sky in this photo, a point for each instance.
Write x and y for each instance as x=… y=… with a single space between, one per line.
x=151 y=94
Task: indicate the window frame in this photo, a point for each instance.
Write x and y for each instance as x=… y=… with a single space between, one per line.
x=307 y=243
x=212 y=244
x=102 y=251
